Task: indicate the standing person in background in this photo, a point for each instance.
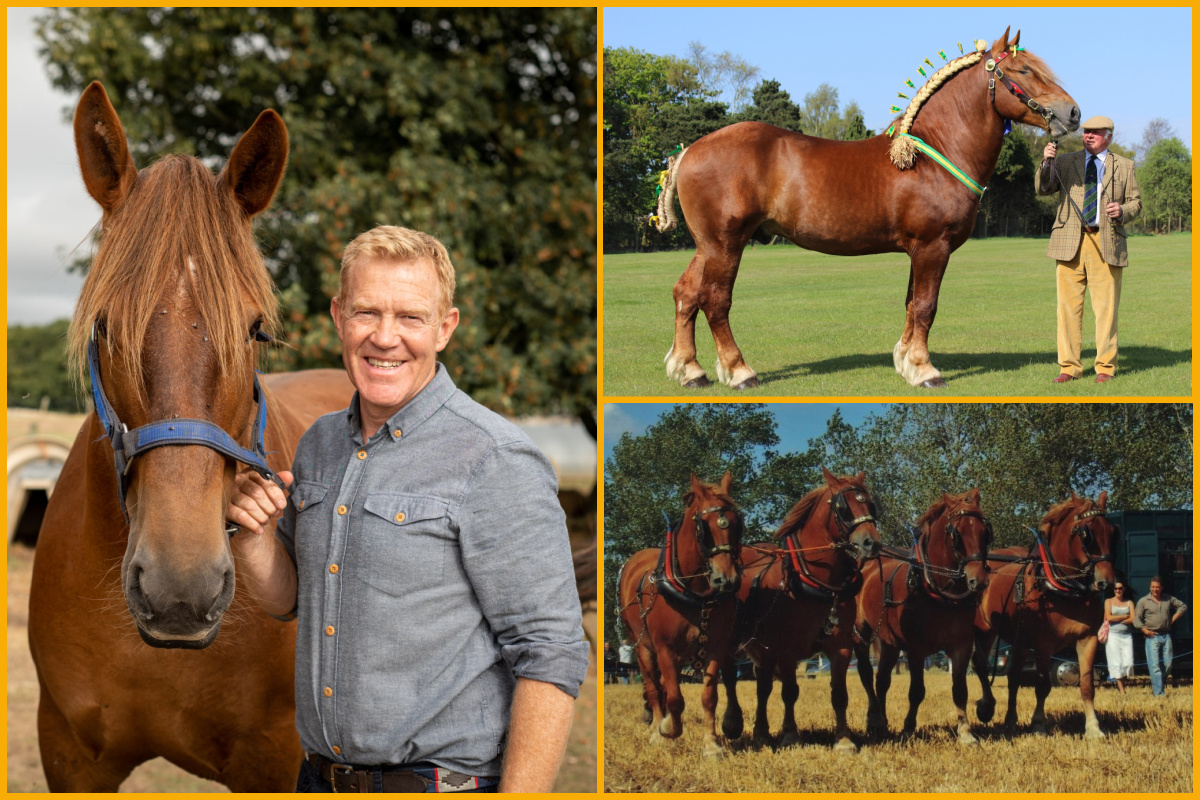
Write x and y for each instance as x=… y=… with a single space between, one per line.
x=1118 y=650
x=1098 y=196
x=1154 y=615
x=627 y=662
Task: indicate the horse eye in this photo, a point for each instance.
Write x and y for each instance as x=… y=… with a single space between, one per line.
x=256 y=327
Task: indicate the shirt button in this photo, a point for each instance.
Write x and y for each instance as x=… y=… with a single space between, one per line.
x=301 y=504
x=362 y=454
x=396 y=433
x=337 y=751
x=329 y=630
x=333 y=568
x=341 y=509
x=328 y=692
x=400 y=517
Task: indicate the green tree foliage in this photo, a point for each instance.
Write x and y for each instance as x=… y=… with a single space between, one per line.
x=649 y=474
x=475 y=125
x=723 y=73
x=36 y=371
x=1023 y=457
x=1010 y=204
x=1165 y=179
x=771 y=104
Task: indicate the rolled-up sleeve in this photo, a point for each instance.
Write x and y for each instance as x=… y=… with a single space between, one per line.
x=517 y=555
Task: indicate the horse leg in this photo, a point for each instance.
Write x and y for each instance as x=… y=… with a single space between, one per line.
x=888 y=656
x=1042 y=691
x=985 y=706
x=708 y=702
x=681 y=358
x=671 y=724
x=789 y=692
x=732 y=722
x=959 y=656
x=1085 y=650
x=764 y=682
x=651 y=691
x=916 y=691
x=911 y=354
x=70 y=766
x=867 y=676
x=716 y=300
x=839 y=664
x=1016 y=662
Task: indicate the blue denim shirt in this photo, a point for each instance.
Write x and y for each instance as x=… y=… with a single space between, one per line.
x=434 y=569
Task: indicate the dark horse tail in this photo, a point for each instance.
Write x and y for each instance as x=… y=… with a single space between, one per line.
x=666 y=219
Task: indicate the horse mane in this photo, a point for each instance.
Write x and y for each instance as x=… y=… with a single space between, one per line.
x=1059 y=511
x=941 y=506
x=902 y=152
x=798 y=517
x=179 y=224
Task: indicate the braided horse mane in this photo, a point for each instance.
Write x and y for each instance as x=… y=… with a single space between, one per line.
x=903 y=152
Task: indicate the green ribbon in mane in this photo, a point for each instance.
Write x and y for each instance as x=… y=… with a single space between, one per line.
x=946 y=164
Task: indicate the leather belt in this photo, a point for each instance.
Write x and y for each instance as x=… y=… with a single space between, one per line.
x=349 y=778
x=1092 y=228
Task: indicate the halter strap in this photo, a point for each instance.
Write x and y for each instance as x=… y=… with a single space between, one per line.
x=128 y=444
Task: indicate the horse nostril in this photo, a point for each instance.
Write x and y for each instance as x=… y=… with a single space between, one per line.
x=1075 y=114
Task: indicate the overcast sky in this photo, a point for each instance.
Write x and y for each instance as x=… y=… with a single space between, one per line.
x=1137 y=66
x=49 y=212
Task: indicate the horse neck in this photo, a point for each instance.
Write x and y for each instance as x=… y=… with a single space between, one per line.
x=961 y=122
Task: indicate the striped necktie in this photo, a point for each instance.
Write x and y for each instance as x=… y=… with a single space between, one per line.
x=1089 y=192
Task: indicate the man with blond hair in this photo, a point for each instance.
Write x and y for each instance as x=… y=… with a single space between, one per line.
x=424 y=555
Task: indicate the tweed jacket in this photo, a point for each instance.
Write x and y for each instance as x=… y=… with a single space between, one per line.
x=1120 y=186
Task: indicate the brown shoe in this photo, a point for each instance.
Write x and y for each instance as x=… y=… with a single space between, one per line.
x=1103 y=378
x=1063 y=377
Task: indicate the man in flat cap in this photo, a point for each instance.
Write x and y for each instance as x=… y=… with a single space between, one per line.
x=1098 y=194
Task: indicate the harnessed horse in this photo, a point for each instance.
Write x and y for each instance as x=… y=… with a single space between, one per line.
x=1046 y=597
x=924 y=601
x=143 y=647
x=798 y=597
x=753 y=180
x=680 y=603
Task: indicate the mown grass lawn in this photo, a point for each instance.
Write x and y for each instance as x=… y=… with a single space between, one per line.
x=818 y=325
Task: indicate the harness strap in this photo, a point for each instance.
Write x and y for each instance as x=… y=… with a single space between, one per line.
x=946 y=164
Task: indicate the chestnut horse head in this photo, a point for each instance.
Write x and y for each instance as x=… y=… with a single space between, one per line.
x=173 y=306
x=830 y=527
x=1075 y=545
x=953 y=545
x=710 y=537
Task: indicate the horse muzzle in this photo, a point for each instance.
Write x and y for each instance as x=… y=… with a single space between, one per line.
x=1065 y=119
x=177 y=609
x=864 y=547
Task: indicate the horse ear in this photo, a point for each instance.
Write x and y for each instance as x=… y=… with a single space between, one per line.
x=829 y=479
x=256 y=164
x=973 y=496
x=726 y=482
x=1001 y=44
x=1016 y=40
x=108 y=171
x=949 y=501
x=1102 y=500
x=860 y=477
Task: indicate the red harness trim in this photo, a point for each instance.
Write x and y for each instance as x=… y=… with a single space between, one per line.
x=1049 y=573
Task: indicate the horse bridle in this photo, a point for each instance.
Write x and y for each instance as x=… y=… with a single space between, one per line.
x=846 y=524
x=992 y=65
x=845 y=519
x=704 y=538
x=129 y=444
x=955 y=535
x=1081 y=529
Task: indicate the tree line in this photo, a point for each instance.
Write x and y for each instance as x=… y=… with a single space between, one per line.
x=1022 y=456
x=476 y=125
x=653 y=104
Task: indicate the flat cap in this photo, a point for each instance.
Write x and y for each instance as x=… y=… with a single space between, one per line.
x=1096 y=123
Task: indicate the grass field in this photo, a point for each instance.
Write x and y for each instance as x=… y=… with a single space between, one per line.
x=818 y=325
x=1148 y=746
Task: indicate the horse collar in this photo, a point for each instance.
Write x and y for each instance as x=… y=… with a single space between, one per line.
x=128 y=444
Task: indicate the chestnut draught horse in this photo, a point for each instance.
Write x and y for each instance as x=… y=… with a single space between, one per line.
x=797 y=597
x=1046 y=597
x=753 y=180
x=144 y=644
x=924 y=601
x=679 y=603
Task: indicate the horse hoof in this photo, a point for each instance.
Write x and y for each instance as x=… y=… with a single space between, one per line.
x=749 y=383
x=934 y=383
x=713 y=751
x=967 y=738
x=647 y=717
x=731 y=729
x=790 y=739
x=1093 y=733
x=1039 y=730
x=698 y=383
x=985 y=710
x=761 y=738
x=845 y=746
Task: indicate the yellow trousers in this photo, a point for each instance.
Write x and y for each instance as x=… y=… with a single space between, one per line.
x=1088 y=269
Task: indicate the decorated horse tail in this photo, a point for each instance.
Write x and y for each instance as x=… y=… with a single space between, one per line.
x=666 y=219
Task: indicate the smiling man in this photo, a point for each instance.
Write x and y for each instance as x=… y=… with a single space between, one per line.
x=424 y=555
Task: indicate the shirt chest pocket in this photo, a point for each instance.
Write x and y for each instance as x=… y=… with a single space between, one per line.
x=405 y=542
x=312 y=521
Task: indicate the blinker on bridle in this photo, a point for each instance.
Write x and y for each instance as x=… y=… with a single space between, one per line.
x=707 y=546
x=128 y=444
x=841 y=509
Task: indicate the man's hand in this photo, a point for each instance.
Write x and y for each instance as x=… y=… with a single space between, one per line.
x=1149 y=634
x=256 y=500
x=1113 y=210
x=1051 y=151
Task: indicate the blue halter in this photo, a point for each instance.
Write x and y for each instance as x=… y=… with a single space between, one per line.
x=128 y=444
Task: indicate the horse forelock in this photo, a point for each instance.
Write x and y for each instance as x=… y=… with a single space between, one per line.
x=798 y=517
x=178 y=230
x=1039 y=68
x=1058 y=512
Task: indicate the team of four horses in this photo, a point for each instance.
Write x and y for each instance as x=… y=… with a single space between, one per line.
x=828 y=584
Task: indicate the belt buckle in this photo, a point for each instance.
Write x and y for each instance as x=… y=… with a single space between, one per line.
x=334 y=771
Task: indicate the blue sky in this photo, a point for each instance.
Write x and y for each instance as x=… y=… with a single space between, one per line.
x=1138 y=66
x=797 y=422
